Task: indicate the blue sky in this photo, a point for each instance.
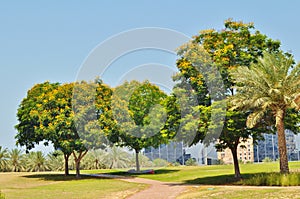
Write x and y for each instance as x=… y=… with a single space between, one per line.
x=42 y=40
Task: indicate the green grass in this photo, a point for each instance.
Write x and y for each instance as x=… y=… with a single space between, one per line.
x=240 y=192
x=209 y=175
x=51 y=185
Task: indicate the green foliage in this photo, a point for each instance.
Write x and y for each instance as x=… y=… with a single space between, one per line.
x=3 y=158
x=36 y=162
x=270 y=88
x=117 y=158
x=158 y=162
x=96 y=159
x=136 y=116
x=16 y=161
x=274 y=179
x=267 y=159
x=238 y=44
x=55 y=161
x=2 y=196
x=65 y=115
x=191 y=162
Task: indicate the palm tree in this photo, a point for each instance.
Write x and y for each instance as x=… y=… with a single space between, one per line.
x=117 y=158
x=16 y=160
x=272 y=85
x=55 y=161
x=36 y=161
x=95 y=159
x=3 y=158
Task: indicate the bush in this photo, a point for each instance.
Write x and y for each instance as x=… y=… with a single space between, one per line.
x=267 y=159
x=176 y=164
x=220 y=162
x=191 y=162
x=160 y=162
x=274 y=179
x=2 y=196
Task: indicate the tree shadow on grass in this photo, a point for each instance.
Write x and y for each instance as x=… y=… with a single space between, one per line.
x=58 y=177
x=156 y=172
x=220 y=180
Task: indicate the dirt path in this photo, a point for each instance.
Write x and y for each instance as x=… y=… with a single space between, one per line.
x=157 y=189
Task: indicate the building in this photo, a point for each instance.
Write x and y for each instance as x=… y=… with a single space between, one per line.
x=244 y=151
x=268 y=147
x=178 y=152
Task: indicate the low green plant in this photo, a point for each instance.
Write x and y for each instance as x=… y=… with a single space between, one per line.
x=2 y=196
x=274 y=179
x=191 y=162
x=160 y=162
x=267 y=159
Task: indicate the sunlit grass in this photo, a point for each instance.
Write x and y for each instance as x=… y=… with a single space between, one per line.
x=213 y=174
x=52 y=185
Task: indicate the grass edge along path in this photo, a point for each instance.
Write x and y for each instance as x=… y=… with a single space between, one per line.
x=239 y=192
x=259 y=174
x=55 y=185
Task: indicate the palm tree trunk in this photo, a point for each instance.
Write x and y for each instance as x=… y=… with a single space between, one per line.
x=284 y=167
x=137 y=160
x=237 y=173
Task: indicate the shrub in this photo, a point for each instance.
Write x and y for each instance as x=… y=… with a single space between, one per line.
x=220 y=162
x=274 y=179
x=176 y=164
x=160 y=162
x=2 y=196
x=191 y=162
x=267 y=159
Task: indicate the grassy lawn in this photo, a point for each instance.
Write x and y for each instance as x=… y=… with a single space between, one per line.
x=213 y=174
x=51 y=185
x=241 y=192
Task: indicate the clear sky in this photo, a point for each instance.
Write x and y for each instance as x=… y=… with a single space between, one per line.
x=49 y=40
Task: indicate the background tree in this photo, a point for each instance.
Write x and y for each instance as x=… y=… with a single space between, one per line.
x=3 y=158
x=137 y=117
x=95 y=159
x=36 y=161
x=117 y=158
x=238 y=44
x=16 y=160
x=271 y=85
x=55 y=161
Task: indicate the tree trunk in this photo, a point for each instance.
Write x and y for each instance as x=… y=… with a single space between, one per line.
x=137 y=160
x=237 y=173
x=77 y=165
x=66 y=157
x=283 y=159
x=78 y=158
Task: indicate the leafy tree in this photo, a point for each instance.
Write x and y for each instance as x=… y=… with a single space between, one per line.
x=270 y=86
x=16 y=160
x=89 y=104
x=238 y=44
x=48 y=114
x=136 y=117
x=3 y=158
x=36 y=161
x=28 y=118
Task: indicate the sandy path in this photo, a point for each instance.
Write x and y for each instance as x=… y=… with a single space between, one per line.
x=156 y=190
